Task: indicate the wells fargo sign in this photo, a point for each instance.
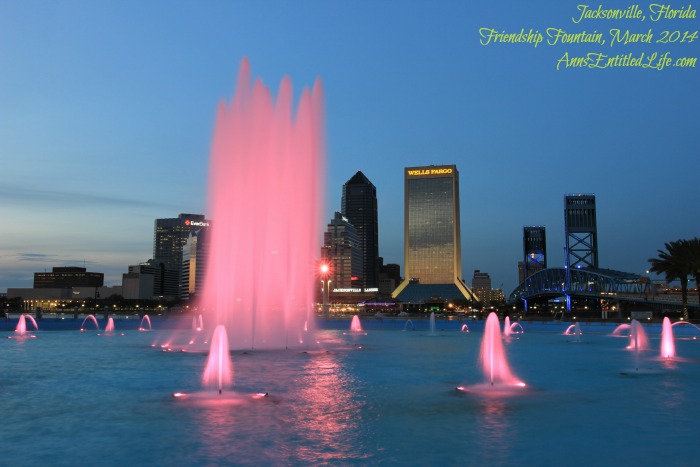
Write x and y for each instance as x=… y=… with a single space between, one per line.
x=429 y=171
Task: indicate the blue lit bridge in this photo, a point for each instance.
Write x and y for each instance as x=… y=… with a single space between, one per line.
x=592 y=284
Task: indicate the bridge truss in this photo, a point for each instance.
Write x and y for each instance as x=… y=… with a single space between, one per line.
x=584 y=283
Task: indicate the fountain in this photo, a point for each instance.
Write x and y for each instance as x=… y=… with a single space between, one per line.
x=93 y=320
x=620 y=330
x=408 y=325
x=493 y=355
x=494 y=364
x=219 y=370
x=506 y=327
x=693 y=328
x=21 y=329
x=638 y=342
x=432 y=324
x=197 y=323
x=265 y=204
x=574 y=330
x=638 y=337
x=516 y=328
x=668 y=346
x=145 y=324
x=109 y=329
x=465 y=328
x=355 y=325
x=218 y=375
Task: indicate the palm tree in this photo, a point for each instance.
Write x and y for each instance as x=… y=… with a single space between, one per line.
x=693 y=246
x=674 y=264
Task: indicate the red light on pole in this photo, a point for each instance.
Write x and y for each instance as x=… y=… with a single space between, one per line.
x=325 y=270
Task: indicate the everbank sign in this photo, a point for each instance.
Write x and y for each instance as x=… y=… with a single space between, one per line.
x=190 y=223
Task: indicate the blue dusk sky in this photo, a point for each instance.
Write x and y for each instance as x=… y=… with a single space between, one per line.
x=107 y=111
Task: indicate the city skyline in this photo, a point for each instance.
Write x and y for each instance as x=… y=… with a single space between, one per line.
x=108 y=111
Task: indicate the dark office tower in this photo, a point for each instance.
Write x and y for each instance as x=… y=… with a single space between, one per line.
x=341 y=249
x=581 y=231
x=169 y=237
x=359 y=206
x=534 y=250
x=432 y=246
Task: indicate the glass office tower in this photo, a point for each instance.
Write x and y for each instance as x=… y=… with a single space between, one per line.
x=341 y=249
x=432 y=246
x=169 y=238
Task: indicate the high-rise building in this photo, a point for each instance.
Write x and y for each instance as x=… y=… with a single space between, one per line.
x=169 y=238
x=194 y=262
x=481 y=281
x=341 y=249
x=359 y=206
x=581 y=231
x=432 y=245
x=481 y=285
x=534 y=250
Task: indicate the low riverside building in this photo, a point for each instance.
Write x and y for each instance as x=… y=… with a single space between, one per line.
x=60 y=299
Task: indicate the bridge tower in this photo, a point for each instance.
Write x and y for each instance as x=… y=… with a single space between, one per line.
x=581 y=236
x=581 y=231
x=534 y=250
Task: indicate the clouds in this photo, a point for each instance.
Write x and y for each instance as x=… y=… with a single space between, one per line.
x=34 y=257
x=46 y=228
x=27 y=196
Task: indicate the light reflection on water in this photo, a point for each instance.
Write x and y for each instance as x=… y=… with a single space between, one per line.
x=495 y=430
x=311 y=414
x=387 y=397
x=330 y=412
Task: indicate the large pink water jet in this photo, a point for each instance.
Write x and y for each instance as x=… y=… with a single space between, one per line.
x=668 y=346
x=219 y=370
x=493 y=356
x=264 y=200
x=109 y=328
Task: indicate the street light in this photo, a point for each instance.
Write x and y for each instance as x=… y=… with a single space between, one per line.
x=325 y=273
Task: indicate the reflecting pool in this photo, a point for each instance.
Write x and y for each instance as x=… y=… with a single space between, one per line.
x=385 y=396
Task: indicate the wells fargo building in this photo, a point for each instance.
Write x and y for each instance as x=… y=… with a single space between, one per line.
x=432 y=246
